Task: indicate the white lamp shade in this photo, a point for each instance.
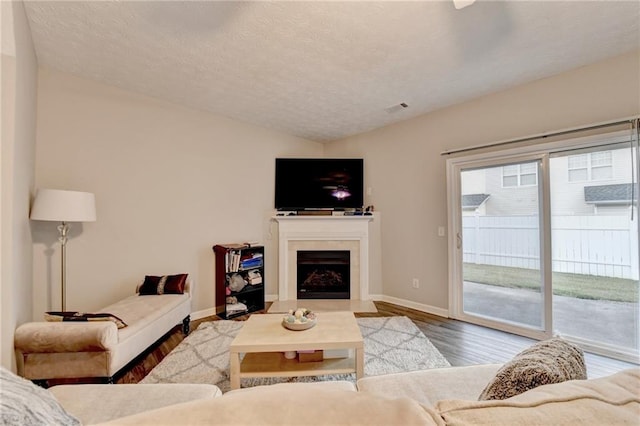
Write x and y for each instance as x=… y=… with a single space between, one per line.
x=64 y=206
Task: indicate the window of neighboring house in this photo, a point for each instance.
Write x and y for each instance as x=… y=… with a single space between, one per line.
x=525 y=174
x=592 y=166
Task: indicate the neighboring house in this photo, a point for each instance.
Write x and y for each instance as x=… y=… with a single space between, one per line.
x=610 y=199
x=474 y=203
x=591 y=183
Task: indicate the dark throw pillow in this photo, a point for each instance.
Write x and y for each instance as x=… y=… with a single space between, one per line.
x=83 y=316
x=165 y=284
x=24 y=403
x=550 y=361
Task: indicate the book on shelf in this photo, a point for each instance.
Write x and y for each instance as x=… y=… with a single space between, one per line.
x=254 y=277
x=255 y=262
x=236 y=258
x=248 y=254
x=236 y=308
x=236 y=261
x=240 y=246
x=234 y=246
x=232 y=261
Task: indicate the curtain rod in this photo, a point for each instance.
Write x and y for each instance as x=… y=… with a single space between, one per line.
x=543 y=135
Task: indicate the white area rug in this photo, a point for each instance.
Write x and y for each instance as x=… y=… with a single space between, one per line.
x=391 y=345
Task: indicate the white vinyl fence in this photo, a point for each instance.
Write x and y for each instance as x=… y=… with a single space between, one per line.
x=591 y=245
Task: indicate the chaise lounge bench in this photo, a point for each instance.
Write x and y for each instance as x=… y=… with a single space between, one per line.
x=73 y=350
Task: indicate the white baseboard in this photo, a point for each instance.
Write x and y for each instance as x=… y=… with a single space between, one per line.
x=270 y=297
x=203 y=313
x=434 y=310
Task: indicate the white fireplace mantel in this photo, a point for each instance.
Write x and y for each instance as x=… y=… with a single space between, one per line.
x=319 y=233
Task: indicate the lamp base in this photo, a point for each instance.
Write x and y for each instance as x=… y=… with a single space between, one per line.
x=63 y=231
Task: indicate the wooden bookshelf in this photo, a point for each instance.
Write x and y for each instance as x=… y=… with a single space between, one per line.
x=239 y=275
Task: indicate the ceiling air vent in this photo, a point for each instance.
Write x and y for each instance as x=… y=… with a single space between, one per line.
x=395 y=108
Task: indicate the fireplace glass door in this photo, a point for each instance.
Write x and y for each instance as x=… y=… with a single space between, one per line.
x=323 y=274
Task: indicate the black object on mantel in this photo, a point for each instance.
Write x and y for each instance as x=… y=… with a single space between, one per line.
x=315 y=213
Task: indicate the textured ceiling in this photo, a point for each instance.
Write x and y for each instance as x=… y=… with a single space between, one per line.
x=326 y=70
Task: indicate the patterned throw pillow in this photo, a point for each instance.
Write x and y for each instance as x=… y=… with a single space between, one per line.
x=165 y=284
x=550 y=361
x=83 y=316
x=25 y=404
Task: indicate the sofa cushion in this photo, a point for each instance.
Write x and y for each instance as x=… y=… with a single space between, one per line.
x=83 y=317
x=139 y=312
x=25 y=404
x=58 y=337
x=290 y=404
x=100 y=403
x=611 y=400
x=429 y=386
x=165 y=284
x=550 y=361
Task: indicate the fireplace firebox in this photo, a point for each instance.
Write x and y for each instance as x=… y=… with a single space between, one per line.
x=323 y=274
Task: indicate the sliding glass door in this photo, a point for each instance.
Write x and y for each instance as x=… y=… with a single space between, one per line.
x=501 y=275
x=544 y=241
x=595 y=246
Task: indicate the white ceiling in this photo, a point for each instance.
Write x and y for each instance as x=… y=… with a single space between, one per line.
x=326 y=70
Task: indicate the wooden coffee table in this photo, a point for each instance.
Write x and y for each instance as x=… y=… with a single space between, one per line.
x=264 y=340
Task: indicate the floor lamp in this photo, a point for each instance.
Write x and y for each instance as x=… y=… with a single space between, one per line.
x=63 y=206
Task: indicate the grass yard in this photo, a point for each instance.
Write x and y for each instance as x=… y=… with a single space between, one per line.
x=572 y=285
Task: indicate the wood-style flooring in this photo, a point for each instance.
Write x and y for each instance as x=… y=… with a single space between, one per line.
x=461 y=343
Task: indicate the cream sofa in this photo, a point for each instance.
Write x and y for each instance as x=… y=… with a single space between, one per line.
x=64 y=350
x=446 y=396
x=433 y=397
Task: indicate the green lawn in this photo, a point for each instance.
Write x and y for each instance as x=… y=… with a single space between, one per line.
x=573 y=285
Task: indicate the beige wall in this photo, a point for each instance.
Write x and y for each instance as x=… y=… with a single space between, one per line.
x=18 y=119
x=170 y=183
x=407 y=174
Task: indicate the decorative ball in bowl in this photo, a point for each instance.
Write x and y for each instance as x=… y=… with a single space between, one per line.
x=298 y=320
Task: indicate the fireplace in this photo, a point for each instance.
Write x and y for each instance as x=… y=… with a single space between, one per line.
x=321 y=234
x=323 y=274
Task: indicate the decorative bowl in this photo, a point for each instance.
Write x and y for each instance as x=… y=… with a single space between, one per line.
x=298 y=320
x=298 y=326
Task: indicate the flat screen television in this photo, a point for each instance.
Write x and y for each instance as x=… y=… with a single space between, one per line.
x=319 y=183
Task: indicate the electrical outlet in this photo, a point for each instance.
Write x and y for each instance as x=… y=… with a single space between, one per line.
x=440 y=231
x=416 y=283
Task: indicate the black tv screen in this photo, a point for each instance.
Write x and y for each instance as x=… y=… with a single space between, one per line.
x=319 y=183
